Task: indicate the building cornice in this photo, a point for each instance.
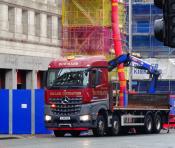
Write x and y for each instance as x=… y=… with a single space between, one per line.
x=37 y=6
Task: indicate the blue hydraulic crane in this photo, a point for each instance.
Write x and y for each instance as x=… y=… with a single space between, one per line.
x=127 y=59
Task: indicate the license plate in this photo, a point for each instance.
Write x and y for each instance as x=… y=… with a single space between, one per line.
x=64 y=118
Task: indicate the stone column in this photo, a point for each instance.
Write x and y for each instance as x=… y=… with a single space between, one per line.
x=31 y=80
x=11 y=83
x=4 y=25
x=11 y=79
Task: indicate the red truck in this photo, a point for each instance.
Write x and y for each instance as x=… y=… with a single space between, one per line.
x=79 y=97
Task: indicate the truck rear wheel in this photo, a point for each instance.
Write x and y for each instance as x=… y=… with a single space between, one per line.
x=101 y=126
x=148 y=124
x=59 y=133
x=157 y=124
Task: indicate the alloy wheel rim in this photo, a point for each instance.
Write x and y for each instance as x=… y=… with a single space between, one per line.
x=101 y=127
x=115 y=125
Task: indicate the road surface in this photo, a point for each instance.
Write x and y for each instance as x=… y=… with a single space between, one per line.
x=162 y=140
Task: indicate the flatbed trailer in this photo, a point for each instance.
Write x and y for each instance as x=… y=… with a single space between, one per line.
x=145 y=112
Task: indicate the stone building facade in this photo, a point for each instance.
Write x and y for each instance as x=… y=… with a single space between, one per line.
x=30 y=34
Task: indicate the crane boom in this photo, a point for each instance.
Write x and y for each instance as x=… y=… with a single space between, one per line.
x=127 y=59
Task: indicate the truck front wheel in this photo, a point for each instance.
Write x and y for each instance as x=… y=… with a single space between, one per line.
x=101 y=126
x=59 y=133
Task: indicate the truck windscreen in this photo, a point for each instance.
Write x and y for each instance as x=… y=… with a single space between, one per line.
x=67 y=77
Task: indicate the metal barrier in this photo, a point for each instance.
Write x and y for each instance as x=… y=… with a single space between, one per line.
x=39 y=113
x=4 y=111
x=20 y=114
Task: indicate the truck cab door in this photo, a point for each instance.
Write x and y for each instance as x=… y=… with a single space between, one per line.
x=99 y=84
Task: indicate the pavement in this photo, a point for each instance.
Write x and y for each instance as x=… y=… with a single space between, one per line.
x=4 y=137
x=8 y=137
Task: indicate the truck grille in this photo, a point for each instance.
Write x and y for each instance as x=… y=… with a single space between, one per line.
x=70 y=107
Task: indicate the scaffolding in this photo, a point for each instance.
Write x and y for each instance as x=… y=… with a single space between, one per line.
x=86 y=13
x=144 y=42
x=87 y=26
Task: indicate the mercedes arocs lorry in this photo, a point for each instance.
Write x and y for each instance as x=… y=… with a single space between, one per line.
x=79 y=97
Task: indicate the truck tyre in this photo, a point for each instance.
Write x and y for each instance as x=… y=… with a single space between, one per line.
x=115 y=126
x=59 y=133
x=157 y=124
x=75 y=133
x=148 y=124
x=101 y=126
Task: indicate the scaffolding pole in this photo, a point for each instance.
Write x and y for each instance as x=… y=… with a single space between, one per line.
x=130 y=42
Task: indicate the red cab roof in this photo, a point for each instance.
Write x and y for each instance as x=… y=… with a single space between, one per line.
x=79 y=62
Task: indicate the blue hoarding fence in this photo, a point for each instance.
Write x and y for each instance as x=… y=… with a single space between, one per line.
x=16 y=112
x=4 y=111
x=39 y=113
x=21 y=112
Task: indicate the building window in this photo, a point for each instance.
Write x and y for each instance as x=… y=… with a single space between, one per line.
x=2 y=78
x=49 y=26
x=143 y=26
x=141 y=41
x=21 y=79
x=25 y=21
x=59 y=28
x=39 y=79
x=37 y=24
x=11 y=19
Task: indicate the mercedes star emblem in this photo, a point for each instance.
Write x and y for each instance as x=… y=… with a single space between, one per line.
x=65 y=100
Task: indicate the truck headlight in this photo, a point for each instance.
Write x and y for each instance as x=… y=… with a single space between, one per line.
x=85 y=118
x=48 y=118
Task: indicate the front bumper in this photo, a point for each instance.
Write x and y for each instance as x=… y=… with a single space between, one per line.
x=74 y=122
x=91 y=109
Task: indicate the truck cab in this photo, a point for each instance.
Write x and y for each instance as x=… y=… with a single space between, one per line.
x=76 y=91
